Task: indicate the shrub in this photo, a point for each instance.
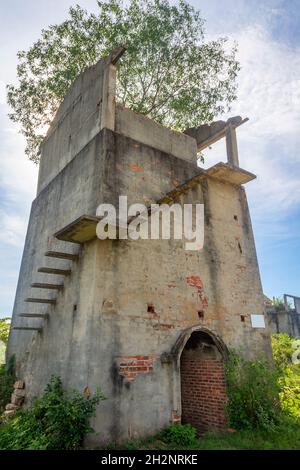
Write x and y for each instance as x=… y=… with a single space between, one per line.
x=7 y=379
x=290 y=393
x=57 y=420
x=179 y=434
x=282 y=347
x=253 y=394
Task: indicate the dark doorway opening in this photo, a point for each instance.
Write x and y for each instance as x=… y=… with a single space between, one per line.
x=203 y=390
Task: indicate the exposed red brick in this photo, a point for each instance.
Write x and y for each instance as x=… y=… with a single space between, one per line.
x=195 y=281
x=175 y=417
x=203 y=393
x=136 y=168
x=163 y=326
x=131 y=366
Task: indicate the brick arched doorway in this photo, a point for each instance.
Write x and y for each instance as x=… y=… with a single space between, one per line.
x=203 y=390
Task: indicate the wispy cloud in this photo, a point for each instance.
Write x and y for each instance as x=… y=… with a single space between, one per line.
x=269 y=94
x=2 y=92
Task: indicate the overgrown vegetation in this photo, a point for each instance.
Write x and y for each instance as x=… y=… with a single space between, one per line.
x=169 y=71
x=263 y=407
x=253 y=394
x=179 y=434
x=286 y=351
x=284 y=437
x=7 y=379
x=58 y=420
x=4 y=329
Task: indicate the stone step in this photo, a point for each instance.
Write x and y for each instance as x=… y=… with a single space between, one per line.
x=60 y=272
x=34 y=315
x=28 y=328
x=61 y=255
x=40 y=301
x=44 y=285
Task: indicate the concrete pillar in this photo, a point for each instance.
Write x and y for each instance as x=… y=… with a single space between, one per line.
x=231 y=146
x=108 y=111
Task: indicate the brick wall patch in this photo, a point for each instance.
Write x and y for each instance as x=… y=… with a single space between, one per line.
x=203 y=393
x=196 y=282
x=130 y=367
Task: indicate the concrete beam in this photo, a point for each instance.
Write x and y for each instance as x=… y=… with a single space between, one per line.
x=208 y=134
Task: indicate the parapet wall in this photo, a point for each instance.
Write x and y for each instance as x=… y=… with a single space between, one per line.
x=77 y=121
x=144 y=130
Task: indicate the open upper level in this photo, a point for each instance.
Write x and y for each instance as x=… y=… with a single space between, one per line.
x=90 y=106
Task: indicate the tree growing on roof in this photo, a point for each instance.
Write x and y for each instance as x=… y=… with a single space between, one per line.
x=169 y=73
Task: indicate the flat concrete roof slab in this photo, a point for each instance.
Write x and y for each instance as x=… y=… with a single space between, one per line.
x=80 y=230
x=230 y=174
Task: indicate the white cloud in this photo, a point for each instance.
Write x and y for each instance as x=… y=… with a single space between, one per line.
x=2 y=92
x=12 y=229
x=18 y=178
x=269 y=94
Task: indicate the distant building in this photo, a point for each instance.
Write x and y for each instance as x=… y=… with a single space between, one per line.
x=285 y=318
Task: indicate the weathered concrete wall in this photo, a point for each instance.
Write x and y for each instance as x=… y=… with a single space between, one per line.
x=126 y=303
x=78 y=120
x=282 y=321
x=149 y=132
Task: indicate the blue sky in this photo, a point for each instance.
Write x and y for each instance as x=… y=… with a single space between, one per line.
x=268 y=34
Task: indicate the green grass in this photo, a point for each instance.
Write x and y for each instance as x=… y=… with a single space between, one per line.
x=285 y=438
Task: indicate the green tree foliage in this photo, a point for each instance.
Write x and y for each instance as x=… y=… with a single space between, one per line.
x=168 y=73
x=284 y=348
x=58 y=420
x=7 y=379
x=4 y=329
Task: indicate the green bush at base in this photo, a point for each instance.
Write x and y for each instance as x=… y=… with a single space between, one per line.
x=57 y=420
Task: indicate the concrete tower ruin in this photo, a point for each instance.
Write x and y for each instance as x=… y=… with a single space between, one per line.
x=146 y=320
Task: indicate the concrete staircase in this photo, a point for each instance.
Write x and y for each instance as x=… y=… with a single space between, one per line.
x=58 y=255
